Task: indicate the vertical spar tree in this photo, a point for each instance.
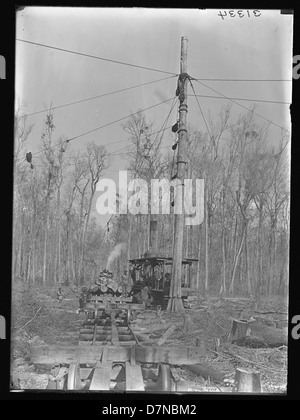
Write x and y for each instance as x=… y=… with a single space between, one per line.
x=175 y=302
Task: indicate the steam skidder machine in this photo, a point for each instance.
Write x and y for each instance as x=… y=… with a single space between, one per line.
x=109 y=356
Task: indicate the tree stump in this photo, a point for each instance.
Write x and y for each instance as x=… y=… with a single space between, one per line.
x=187 y=323
x=247 y=380
x=239 y=329
x=201 y=343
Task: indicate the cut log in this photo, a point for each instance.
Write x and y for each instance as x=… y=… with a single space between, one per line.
x=263 y=336
x=154 y=328
x=166 y=335
x=249 y=333
x=206 y=371
x=247 y=380
x=270 y=312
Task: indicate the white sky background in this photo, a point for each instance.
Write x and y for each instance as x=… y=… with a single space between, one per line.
x=233 y=48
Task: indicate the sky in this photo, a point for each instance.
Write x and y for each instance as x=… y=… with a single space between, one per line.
x=231 y=48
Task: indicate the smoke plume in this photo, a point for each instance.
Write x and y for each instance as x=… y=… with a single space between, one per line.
x=116 y=252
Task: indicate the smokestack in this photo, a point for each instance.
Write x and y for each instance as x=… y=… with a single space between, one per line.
x=153 y=236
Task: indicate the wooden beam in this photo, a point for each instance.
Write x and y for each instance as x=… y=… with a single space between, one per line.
x=104 y=329
x=106 y=305
x=95 y=334
x=87 y=330
x=55 y=355
x=127 y=343
x=134 y=377
x=166 y=335
x=114 y=330
x=101 y=377
x=110 y=299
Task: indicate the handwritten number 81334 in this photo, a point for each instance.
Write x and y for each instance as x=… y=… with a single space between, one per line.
x=239 y=13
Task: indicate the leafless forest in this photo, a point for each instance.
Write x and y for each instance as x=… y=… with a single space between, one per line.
x=242 y=246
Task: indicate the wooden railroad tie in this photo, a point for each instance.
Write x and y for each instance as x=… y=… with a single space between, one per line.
x=102 y=373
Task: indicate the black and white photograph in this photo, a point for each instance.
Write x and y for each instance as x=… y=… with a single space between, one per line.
x=151 y=201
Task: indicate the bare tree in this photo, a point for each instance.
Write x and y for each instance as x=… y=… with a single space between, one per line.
x=96 y=158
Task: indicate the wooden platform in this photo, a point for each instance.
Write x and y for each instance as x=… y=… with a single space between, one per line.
x=87 y=354
x=107 y=304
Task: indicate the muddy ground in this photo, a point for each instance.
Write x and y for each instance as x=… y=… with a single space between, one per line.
x=38 y=318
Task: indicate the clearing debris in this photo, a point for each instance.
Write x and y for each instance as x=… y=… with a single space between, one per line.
x=119 y=345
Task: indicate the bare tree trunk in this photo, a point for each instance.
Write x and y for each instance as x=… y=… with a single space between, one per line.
x=274 y=278
x=59 y=255
x=21 y=248
x=68 y=258
x=44 y=278
x=55 y=253
x=82 y=232
x=129 y=242
x=45 y=250
x=57 y=265
x=28 y=269
x=260 y=262
x=272 y=260
x=188 y=248
x=31 y=245
x=33 y=270
x=17 y=245
x=249 y=286
x=206 y=282
x=223 y=283
x=73 y=271
x=19 y=259
x=270 y=273
x=83 y=245
x=237 y=260
x=199 y=260
x=233 y=239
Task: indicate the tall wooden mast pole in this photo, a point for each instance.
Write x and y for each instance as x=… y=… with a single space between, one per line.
x=175 y=303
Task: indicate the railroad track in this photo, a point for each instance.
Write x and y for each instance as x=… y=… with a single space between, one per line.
x=109 y=357
x=110 y=327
